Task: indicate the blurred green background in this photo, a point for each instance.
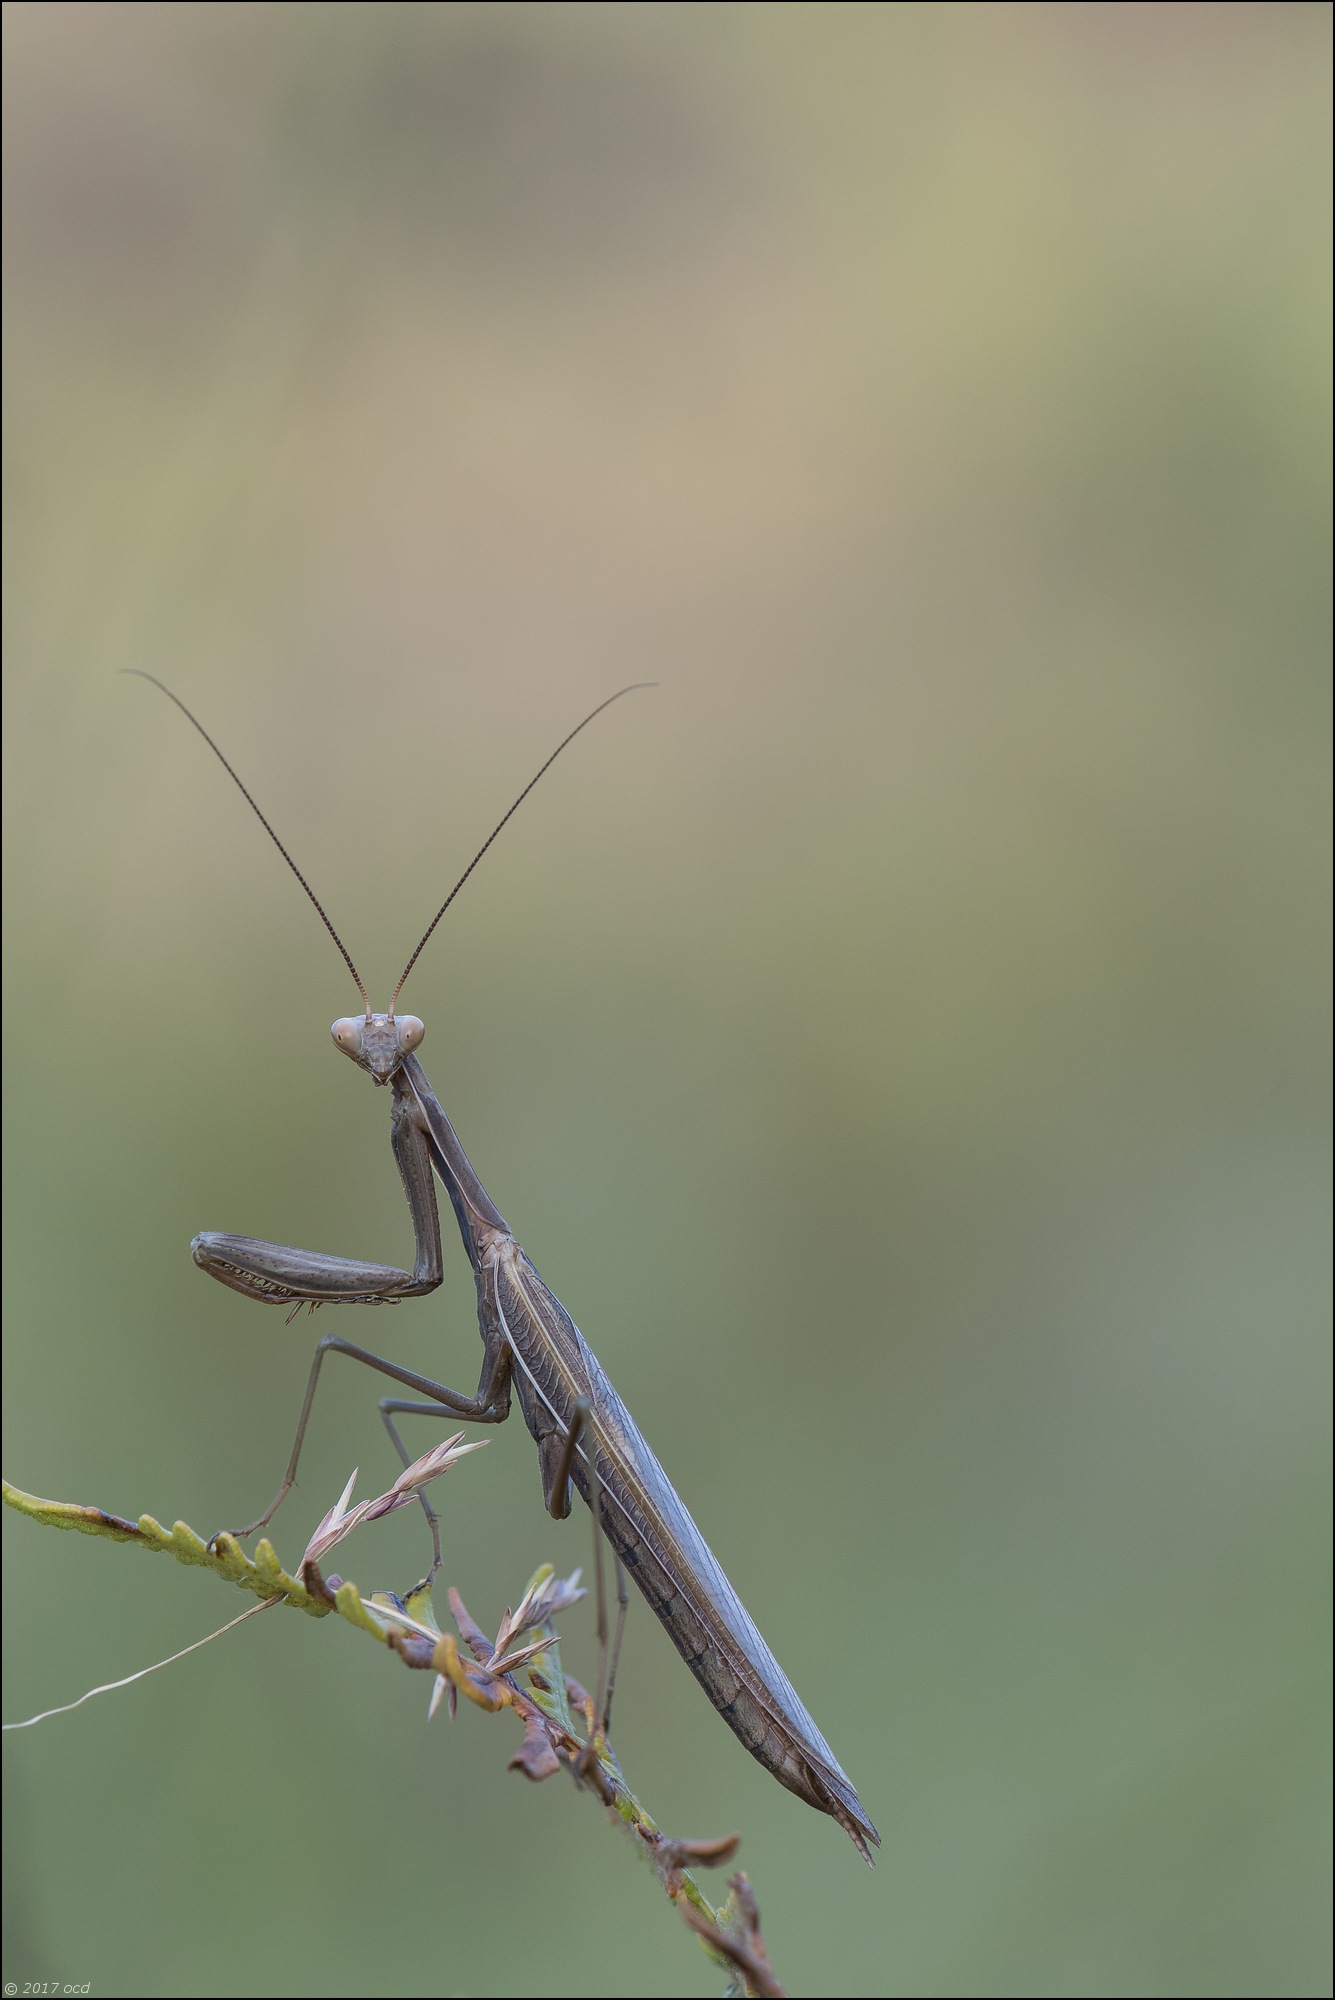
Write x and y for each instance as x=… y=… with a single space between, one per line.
x=899 y=1038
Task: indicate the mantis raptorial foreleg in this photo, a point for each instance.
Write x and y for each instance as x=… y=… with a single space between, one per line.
x=279 y=1274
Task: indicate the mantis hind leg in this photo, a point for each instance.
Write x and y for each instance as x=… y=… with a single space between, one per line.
x=556 y=1455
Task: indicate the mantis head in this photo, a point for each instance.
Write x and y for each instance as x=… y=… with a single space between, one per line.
x=378 y=1043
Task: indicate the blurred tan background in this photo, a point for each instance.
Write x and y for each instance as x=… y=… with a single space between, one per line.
x=899 y=1038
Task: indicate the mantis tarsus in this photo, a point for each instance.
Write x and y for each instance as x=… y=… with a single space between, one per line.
x=583 y=1431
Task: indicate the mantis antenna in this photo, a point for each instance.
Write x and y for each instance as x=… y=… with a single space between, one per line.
x=319 y=906
x=139 y=674
x=631 y=689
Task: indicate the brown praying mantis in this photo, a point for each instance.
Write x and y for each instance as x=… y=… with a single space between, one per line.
x=584 y=1434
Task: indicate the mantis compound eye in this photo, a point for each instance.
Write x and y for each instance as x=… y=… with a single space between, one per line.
x=411 y=1031
x=348 y=1034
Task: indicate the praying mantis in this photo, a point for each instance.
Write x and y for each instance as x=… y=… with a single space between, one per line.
x=533 y=1351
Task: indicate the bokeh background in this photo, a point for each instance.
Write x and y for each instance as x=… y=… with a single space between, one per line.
x=900 y=1037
